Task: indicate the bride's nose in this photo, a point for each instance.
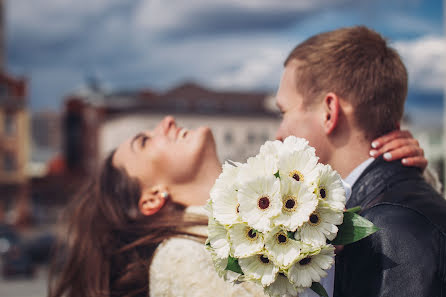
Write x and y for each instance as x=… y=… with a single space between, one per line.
x=167 y=123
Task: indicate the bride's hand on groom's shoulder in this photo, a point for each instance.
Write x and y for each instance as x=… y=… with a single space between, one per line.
x=399 y=144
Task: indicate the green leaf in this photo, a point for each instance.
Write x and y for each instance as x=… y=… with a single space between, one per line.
x=319 y=289
x=355 y=209
x=277 y=174
x=233 y=265
x=353 y=228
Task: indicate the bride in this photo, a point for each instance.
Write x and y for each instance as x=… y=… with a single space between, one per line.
x=137 y=230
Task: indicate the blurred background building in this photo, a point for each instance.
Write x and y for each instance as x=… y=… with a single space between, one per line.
x=14 y=138
x=96 y=122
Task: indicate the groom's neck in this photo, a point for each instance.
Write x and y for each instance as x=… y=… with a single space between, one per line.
x=344 y=159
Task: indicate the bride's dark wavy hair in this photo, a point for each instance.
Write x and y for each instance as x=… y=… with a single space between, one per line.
x=109 y=244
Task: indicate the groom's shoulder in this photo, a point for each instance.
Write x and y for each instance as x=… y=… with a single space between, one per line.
x=410 y=202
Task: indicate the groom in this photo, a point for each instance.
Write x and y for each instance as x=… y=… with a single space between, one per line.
x=340 y=90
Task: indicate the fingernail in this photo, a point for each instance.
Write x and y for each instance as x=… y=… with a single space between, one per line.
x=375 y=144
x=404 y=161
x=387 y=156
x=372 y=153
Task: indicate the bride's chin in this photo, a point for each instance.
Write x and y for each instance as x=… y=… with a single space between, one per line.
x=206 y=135
x=207 y=142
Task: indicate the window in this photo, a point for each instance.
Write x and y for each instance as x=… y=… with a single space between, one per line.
x=228 y=137
x=9 y=162
x=4 y=92
x=251 y=137
x=265 y=136
x=10 y=124
x=206 y=105
x=181 y=105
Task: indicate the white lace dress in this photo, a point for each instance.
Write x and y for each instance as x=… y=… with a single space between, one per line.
x=182 y=267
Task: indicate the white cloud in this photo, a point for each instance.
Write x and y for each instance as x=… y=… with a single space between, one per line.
x=233 y=62
x=160 y=16
x=225 y=44
x=53 y=17
x=257 y=69
x=425 y=61
x=410 y=24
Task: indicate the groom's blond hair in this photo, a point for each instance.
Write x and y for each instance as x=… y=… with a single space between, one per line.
x=356 y=64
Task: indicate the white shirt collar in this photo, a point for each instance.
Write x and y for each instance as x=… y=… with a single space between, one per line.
x=351 y=179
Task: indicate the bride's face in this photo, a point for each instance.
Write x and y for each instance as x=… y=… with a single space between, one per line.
x=166 y=155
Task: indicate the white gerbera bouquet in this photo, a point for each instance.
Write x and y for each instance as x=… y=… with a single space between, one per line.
x=274 y=219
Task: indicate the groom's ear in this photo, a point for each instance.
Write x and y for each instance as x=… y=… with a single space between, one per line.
x=331 y=108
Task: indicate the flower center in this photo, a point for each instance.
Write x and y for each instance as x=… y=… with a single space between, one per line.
x=264 y=259
x=296 y=175
x=251 y=234
x=315 y=219
x=290 y=203
x=263 y=203
x=322 y=193
x=305 y=261
x=281 y=238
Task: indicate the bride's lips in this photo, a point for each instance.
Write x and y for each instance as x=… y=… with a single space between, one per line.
x=181 y=133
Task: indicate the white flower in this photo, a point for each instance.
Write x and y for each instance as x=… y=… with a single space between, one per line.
x=208 y=209
x=282 y=287
x=245 y=240
x=321 y=226
x=329 y=188
x=297 y=204
x=228 y=176
x=293 y=143
x=224 y=196
x=256 y=167
x=220 y=265
x=218 y=238
x=299 y=165
x=271 y=148
x=260 y=201
x=259 y=267
x=225 y=204
x=281 y=249
x=311 y=268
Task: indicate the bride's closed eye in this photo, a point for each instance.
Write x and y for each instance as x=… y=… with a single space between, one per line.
x=144 y=138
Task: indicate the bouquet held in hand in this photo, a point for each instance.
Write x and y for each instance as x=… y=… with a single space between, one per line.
x=274 y=219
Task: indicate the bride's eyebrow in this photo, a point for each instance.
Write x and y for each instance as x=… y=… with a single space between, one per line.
x=139 y=135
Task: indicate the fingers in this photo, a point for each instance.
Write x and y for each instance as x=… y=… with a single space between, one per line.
x=404 y=152
x=409 y=146
x=419 y=162
x=380 y=141
x=399 y=145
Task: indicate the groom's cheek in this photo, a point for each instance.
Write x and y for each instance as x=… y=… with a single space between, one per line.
x=283 y=131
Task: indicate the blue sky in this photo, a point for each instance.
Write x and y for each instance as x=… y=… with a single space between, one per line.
x=222 y=44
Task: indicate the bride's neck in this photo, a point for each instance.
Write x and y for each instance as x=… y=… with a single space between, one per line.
x=196 y=192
